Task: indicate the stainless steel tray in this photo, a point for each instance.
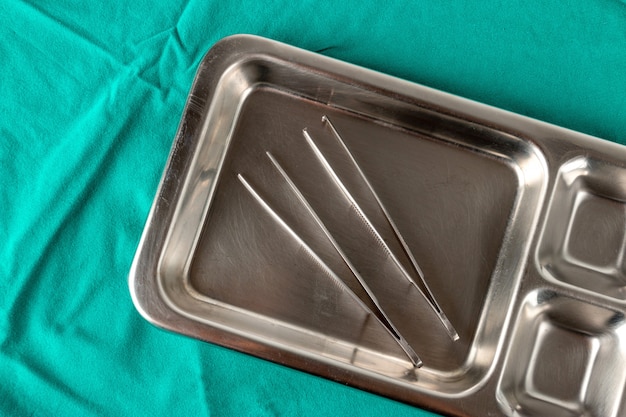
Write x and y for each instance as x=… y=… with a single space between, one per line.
x=518 y=226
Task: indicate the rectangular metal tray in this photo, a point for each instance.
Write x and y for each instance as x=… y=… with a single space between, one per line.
x=519 y=228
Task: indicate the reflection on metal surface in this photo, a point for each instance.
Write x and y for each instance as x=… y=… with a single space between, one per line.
x=262 y=243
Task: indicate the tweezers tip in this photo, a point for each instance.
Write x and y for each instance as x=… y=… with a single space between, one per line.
x=415 y=360
x=410 y=353
x=449 y=328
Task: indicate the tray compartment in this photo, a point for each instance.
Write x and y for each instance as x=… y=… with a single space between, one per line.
x=567 y=358
x=584 y=239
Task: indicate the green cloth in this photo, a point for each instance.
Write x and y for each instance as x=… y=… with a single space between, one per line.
x=90 y=99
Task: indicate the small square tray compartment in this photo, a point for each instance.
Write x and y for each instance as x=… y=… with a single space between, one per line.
x=584 y=240
x=567 y=358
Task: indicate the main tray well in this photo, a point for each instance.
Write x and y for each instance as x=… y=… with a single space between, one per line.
x=465 y=197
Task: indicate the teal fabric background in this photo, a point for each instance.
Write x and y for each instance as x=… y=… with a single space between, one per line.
x=90 y=99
